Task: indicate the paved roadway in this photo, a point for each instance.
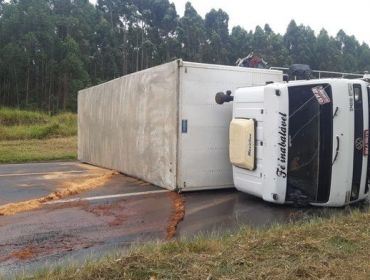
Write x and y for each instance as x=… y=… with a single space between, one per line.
x=122 y=212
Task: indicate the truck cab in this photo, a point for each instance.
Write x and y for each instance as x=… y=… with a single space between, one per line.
x=302 y=142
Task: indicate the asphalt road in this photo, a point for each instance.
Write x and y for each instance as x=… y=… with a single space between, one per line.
x=122 y=212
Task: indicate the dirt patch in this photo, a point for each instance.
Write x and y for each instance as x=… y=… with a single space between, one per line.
x=24 y=254
x=73 y=204
x=177 y=214
x=61 y=175
x=34 y=249
x=32 y=252
x=115 y=210
x=67 y=189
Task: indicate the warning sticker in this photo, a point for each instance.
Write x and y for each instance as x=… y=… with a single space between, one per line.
x=321 y=95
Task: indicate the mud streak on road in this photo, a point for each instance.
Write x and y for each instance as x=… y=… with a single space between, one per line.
x=67 y=189
x=177 y=214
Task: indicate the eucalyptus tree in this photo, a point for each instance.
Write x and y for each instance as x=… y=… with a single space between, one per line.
x=300 y=42
x=191 y=34
x=218 y=39
x=240 y=43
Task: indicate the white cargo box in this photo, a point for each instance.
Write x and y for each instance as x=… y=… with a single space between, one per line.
x=162 y=125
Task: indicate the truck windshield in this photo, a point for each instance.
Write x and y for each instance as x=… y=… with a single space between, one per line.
x=310 y=143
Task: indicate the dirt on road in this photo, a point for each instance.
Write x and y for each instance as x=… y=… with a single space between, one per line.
x=177 y=214
x=65 y=190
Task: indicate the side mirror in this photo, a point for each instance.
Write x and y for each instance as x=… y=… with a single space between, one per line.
x=221 y=97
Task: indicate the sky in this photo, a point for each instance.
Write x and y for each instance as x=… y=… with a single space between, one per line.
x=351 y=16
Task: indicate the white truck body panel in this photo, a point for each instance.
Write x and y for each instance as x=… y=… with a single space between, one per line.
x=162 y=125
x=130 y=125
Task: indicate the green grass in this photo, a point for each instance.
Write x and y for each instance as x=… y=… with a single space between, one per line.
x=321 y=248
x=18 y=151
x=35 y=136
x=10 y=117
x=35 y=125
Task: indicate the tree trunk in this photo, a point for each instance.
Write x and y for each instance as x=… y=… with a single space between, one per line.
x=137 y=52
x=28 y=83
x=16 y=87
x=49 y=92
x=142 y=47
x=124 y=54
x=65 y=91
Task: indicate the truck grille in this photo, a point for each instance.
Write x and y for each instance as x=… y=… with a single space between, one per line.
x=358 y=142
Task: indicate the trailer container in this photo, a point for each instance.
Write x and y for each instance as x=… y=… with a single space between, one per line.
x=162 y=125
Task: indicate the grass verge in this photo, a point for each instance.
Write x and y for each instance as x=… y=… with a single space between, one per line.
x=11 y=116
x=18 y=151
x=335 y=248
x=40 y=126
x=35 y=136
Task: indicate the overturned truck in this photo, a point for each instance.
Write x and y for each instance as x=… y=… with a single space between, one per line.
x=302 y=142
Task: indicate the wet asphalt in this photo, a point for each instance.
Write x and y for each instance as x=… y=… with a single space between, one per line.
x=121 y=213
